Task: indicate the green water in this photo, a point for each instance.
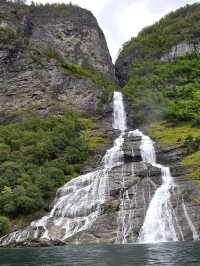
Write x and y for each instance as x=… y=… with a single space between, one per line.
x=171 y=254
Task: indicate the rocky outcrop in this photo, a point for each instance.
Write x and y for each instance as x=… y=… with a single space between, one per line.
x=182 y=49
x=69 y=30
x=35 y=41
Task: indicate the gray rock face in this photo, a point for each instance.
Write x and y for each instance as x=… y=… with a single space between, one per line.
x=182 y=49
x=73 y=32
x=43 y=88
x=29 y=79
x=131 y=188
x=122 y=67
x=69 y=30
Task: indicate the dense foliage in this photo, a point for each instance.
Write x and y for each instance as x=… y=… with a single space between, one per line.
x=166 y=90
x=37 y=156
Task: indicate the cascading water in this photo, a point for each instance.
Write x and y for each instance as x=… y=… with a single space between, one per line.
x=78 y=203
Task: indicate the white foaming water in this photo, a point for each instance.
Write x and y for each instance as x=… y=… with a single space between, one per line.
x=119 y=114
x=193 y=229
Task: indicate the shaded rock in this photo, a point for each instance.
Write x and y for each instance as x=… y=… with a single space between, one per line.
x=131 y=148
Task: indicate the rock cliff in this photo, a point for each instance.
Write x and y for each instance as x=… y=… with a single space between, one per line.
x=46 y=56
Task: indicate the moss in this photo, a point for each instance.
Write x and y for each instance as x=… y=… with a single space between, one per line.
x=167 y=134
x=193 y=162
x=94 y=134
x=8 y=32
x=9 y=38
x=197 y=199
x=94 y=142
x=193 y=159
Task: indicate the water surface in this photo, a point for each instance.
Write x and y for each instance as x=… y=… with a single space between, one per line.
x=170 y=254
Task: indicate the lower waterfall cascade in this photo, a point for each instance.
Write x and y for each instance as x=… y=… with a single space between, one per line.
x=78 y=204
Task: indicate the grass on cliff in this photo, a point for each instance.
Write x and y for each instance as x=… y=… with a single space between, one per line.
x=193 y=162
x=187 y=137
x=38 y=155
x=9 y=38
x=169 y=134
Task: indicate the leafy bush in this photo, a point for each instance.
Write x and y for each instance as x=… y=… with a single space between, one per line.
x=38 y=155
x=4 y=225
x=192 y=144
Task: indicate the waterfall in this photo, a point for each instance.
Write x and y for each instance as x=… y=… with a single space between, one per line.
x=119 y=114
x=79 y=202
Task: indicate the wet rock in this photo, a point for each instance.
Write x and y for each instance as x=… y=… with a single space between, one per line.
x=131 y=148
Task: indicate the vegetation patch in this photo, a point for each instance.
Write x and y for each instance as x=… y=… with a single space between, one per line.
x=184 y=135
x=167 y=134
x=193 y=162
x=4 y=225
x=38 y=155
x=8 y=38
x=165 y=90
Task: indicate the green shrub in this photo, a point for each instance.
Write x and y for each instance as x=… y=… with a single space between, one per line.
x=165 y=90
x=192 y=144
x=4 y=225
x=38 y=155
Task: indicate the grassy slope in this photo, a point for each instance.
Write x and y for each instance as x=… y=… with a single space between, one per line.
x=165 y=134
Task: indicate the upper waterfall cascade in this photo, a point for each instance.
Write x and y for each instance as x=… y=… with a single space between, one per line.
x=79 y=202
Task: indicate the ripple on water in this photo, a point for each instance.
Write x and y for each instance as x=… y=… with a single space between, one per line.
x=170 y=254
